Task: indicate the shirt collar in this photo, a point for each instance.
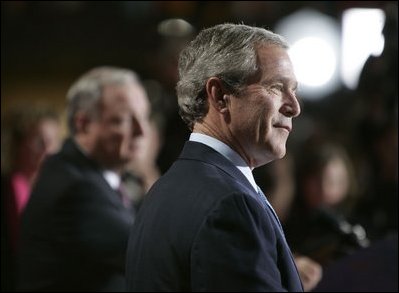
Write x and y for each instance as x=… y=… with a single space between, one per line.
x=227 y=152
x=113 y=179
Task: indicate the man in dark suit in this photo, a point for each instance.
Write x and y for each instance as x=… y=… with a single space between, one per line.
x=205 y=225
x=76 y=224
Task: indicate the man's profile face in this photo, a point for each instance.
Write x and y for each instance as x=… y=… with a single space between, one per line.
x=123 y=118
x=261 y=115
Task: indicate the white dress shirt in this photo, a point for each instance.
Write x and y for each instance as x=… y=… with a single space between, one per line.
x=228 y=153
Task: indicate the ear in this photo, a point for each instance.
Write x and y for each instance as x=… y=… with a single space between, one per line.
x=218 y=97
x=82 y=122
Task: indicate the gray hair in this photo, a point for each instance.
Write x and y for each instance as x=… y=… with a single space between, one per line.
x=227 y=51
x=85 y=94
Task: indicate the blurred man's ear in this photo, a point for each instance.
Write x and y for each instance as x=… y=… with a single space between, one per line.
x=82 y=121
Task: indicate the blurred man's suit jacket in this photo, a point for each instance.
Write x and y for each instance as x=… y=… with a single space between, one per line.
x=75 y=229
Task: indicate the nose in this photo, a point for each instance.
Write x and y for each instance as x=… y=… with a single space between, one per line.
x=290 y=107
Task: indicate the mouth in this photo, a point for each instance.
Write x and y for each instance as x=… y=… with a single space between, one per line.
x=286 y=127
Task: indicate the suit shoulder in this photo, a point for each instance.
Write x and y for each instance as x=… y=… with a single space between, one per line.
x=59 y=163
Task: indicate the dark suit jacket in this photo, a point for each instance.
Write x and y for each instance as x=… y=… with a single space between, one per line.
x=75 y=229
x=202 y=228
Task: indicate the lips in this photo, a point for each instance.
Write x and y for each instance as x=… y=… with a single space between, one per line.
x=287 y=127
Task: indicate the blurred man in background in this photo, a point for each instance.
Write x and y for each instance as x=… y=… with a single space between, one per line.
x=75 y=228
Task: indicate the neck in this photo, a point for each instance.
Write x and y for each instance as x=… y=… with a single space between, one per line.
x=224 y=134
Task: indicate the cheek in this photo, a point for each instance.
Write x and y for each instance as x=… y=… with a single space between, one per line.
x=257 y=117
x=120 y=140
x=111 y=140
x=261 y=119
x=118 y=132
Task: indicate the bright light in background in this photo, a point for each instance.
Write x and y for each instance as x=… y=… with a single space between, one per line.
x=315 y=47
x=361 y=37
x=314 y=61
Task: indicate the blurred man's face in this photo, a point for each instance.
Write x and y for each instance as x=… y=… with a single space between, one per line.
x=123 y=118
x=261 y=116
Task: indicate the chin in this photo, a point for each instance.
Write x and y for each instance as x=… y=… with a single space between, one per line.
x=268 y=153
x=270 y=157
x=282 y=154
x=126 y=160
x=277 y=151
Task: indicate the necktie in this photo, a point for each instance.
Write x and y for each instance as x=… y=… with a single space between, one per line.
x=124 y=195
x=267 y=205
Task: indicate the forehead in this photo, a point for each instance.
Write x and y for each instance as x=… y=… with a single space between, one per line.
x=130 y=95
x=274 y=62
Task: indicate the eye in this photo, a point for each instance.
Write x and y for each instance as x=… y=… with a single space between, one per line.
x=277 y=88
x=116 y=120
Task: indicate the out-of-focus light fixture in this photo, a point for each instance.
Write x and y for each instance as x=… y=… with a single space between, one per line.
x=314 y=51
x=361 y=37
x=175 y=27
